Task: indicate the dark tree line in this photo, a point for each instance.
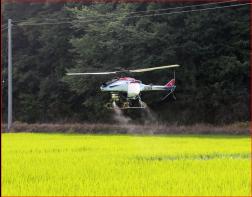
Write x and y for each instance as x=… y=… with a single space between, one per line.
x=212 y=48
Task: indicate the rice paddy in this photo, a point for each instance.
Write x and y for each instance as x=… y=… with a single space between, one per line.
x=117 y=165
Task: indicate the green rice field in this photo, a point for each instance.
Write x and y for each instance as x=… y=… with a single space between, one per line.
x=117 y=165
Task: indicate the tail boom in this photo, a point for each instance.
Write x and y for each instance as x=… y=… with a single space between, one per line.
x=168 y=86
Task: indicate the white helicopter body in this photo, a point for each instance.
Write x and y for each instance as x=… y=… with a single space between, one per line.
x=134 y=87
x=126 y=90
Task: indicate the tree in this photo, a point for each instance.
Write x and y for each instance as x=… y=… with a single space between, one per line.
x=211 y=46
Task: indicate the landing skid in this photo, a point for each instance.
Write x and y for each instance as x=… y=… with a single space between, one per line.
x=121 y=102
x=142 y=107
x=125 y=105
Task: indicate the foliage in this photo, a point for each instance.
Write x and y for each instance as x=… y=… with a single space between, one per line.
x=212 y=48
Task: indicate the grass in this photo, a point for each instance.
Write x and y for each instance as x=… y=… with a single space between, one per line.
x=75 y=164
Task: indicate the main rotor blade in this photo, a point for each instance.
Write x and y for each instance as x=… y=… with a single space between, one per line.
x=100 y=73
x=126 y=71
x=153 y=68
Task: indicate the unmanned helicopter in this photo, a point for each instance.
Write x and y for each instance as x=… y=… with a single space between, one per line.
x=126 y=91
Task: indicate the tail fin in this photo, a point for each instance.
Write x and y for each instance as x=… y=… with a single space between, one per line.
x=170 y=83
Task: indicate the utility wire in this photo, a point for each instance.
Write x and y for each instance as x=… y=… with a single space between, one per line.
x=195 y=10
x=147 y=11
x=164 y=9
x=147 y=15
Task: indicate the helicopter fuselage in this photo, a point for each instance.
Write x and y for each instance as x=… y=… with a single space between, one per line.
x=133 y=87
x=126 y=91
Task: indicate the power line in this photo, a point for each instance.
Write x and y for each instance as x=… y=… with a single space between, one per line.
x=166 y=9
x=195 y=10
x=147 y=15
x=147 y=11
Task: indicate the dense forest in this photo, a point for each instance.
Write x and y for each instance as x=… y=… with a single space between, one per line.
x=50 y=39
